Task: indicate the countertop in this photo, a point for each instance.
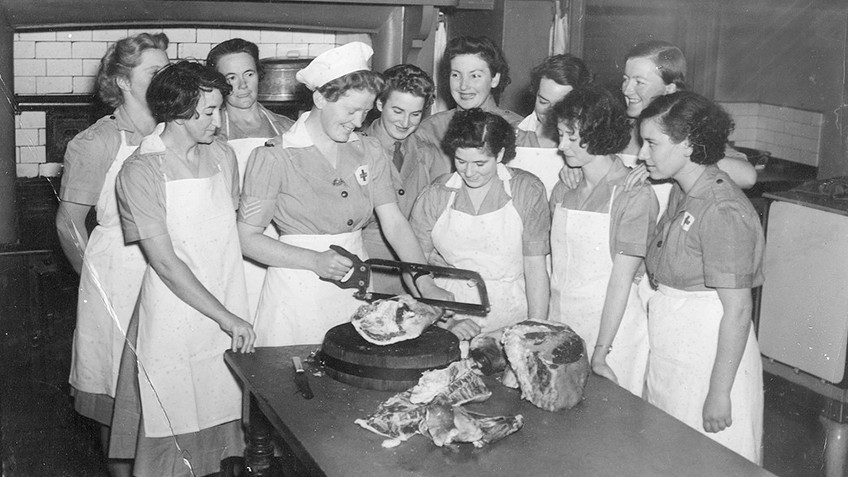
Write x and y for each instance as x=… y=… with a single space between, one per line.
x=611 y=432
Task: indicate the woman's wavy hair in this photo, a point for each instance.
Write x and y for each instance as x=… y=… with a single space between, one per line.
x=667 y=57
x=119 y=60
x=598 y=116
x=685 y=115
x=363 y=80
x=233 y=46
x=175 y=90
x=566 y=69
x=409 y=79
x=486 y=48
x=478 y=129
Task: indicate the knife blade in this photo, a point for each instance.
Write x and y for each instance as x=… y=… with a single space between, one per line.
x=300 y=379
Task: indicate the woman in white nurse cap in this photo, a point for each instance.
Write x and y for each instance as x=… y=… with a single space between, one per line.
x=318 y=183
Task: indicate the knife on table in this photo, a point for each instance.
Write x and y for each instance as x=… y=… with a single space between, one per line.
x=300 y=379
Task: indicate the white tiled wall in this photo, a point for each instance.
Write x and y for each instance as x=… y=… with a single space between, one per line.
x=788 y=133
x=66 y=62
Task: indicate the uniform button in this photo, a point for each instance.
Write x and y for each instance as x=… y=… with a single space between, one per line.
x=401 y=192
x=659 y=243
x=349 y=222
x=112 y=117
x=719 y=181
x=344 y=194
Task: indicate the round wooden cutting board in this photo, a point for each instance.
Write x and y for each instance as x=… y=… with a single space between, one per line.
x=348 y=358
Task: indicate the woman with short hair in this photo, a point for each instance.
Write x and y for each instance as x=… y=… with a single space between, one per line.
x=705 y=367
x=319 y=183
x=110 y=270
x=177 y=195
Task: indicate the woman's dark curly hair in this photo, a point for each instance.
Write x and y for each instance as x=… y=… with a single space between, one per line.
x=175 y=90
x=119 y=60
x=478 y=129
x=486 y=48
x=409 y=79
x=365 y=80
x=566 y=69
x=233 y=46
x=685 y=115
x=598 y=116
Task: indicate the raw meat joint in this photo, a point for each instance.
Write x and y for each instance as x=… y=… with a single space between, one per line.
x=395 y=319
x=549 y=362
x=434 y=409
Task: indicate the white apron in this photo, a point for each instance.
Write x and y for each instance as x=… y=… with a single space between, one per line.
x=543 y=162
x=296 y=307
x=684 y=329
x=254 y=273
x=490 y=244
x=183 y=381
x=581 y=269
x=109 y=283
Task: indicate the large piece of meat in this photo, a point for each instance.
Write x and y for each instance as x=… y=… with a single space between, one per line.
x=400 y=318
x=447 y=424
x=549 y=362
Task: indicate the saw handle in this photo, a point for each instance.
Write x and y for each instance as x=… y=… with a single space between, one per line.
x=359 y=275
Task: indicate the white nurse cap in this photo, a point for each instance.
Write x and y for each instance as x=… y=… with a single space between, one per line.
x=334 y=64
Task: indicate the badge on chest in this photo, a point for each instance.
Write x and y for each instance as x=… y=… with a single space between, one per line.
x=363 y=176
x=688 y=220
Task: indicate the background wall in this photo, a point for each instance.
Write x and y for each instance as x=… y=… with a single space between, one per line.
x=66 y=62
x=782 y=61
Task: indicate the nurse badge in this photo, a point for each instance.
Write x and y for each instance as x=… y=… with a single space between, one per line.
x=688 y=220
x=362 y=175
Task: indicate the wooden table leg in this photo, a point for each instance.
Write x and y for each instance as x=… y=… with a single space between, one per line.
x=836 y=447
x=259 y=454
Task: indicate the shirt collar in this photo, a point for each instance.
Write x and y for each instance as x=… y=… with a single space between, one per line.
x=377 y=130
x=530 y=123
x=153 y=142
x=298 y=135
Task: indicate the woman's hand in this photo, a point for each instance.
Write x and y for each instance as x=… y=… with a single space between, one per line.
x=331 y=265
x=717 y=415
x=241 y=332
x=571 y=176
x=601 y=368
x=636 y=177
x=464 y=329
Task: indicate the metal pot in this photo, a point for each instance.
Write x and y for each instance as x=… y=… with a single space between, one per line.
x=279 y=83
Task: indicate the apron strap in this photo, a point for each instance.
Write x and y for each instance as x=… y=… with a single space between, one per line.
x=612 y=198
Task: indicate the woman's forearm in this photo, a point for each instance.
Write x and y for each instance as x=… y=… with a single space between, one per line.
x=273 y=253
x=179 y=278
x=537 y=287
x=732 y=337
x=624 y=269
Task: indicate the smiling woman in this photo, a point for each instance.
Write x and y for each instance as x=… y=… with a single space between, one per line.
x=177 y=196
x=320 y=183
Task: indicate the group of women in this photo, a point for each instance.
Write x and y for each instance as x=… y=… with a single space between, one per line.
x=227 y=213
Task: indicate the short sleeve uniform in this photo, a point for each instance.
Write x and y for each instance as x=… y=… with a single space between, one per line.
x=633 y=214
x=290 y=182
x=529 y=199
x=141 y=183
x=420 y=165
x=90 y=154
x=710 y=238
